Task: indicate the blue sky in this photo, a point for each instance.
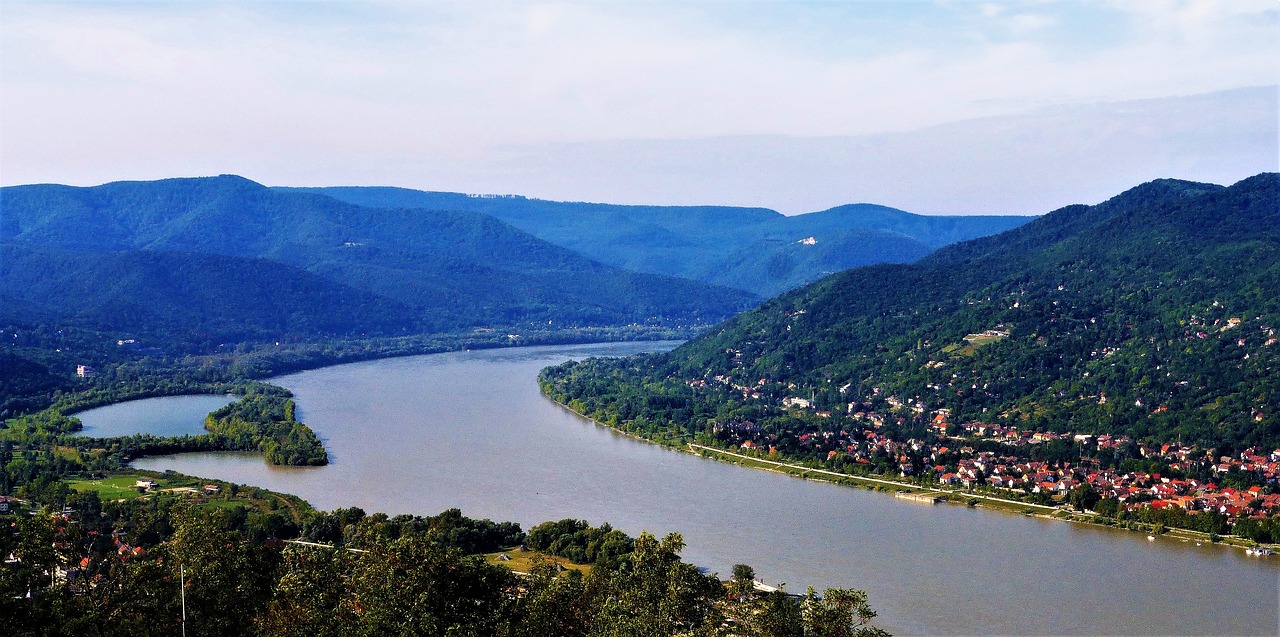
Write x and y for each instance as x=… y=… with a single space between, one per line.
x=443 y=95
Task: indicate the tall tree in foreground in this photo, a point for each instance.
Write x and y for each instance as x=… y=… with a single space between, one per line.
x=228 y=579
x=743 y=582
x=655 y=594
x=311 y=596
x=412 y=586
x=839 y=612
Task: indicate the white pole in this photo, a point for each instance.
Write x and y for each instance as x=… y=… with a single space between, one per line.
x=182 y=587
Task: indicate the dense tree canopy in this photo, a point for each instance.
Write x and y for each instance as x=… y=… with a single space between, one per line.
x=1151 y=315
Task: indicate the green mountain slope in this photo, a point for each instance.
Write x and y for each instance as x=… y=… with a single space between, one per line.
x=22 y=377
x=773 y=266
x=188 y=297
x=1153 y=315
x=748 y=248
x=454 y=269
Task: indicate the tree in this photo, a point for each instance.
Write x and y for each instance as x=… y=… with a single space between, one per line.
x=1083 y=497
x=412 y=586
x=839 y=612
x=308 y=599
x=1107 y=506
x=28 y=600
x=553 y=603
x=228 y=579
x=776 y=614
x=136 y=597
x=655 y=594
x=743 y=580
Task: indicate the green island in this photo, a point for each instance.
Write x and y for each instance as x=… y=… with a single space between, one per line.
x=98 y=546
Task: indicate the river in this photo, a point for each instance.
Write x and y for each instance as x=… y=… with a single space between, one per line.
x=470 y=430
x=163 y=416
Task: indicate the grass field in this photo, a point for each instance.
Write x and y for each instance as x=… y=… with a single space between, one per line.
x=522 y=561
x=121 y=487
x=110 y=488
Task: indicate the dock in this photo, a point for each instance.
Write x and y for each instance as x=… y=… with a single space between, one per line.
x=927 y=498
x=761 y=587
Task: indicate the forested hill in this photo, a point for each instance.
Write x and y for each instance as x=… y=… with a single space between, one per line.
x=1153 y=314
x=200 y=299
x=122 y=253
x=749 y=248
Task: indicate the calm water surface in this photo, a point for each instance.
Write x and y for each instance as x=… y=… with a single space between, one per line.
x=469 y=429
x=165 y=416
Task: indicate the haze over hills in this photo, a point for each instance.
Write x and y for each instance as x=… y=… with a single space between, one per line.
x=753 y=249
x=226 y=256
x=195 y=298
x=1153 y=314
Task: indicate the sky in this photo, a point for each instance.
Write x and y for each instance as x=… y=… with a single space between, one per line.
x=936 y=107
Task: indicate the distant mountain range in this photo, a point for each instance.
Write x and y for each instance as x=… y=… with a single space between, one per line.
x=212 y=259
x=229 y=258
x=752 y=249
x=1154 y=314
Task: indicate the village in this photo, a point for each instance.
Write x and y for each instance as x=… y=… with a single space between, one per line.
x=1237 y=485
x=949 y=457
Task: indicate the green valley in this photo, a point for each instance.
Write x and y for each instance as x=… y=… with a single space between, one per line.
x=752 y=249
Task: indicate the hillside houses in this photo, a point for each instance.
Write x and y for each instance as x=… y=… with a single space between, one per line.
x=951 y=461
x=959 y=452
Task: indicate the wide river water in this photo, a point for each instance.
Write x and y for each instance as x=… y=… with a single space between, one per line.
x=470 y=430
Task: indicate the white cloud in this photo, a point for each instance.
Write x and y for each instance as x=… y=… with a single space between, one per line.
x=1023 y=164
x=95 y=92
x=1028 y=22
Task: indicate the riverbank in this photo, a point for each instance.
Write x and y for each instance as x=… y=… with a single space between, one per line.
x=245 y=374
x=956 y=496
x=470 y=430
x=809 y=473
x=877 y=483
x=889 y=485
x=951 y=496
x=233 y=372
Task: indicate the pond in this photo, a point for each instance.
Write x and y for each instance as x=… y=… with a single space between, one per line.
x=164 y=416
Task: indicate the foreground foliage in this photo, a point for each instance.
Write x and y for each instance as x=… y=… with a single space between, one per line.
x=132 y=568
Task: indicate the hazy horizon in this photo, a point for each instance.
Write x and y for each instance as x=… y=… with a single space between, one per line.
x=931 y=107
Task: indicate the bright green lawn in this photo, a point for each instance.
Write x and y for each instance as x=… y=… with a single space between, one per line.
x=522 y=561
x=121 y=487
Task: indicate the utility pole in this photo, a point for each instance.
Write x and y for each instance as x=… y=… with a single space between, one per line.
x=182 y=588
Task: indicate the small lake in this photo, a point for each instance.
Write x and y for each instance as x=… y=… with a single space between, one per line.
x=470 y=430
x=164 y=416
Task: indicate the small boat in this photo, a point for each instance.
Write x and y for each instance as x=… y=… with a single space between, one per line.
x=1262 y=552
x=1151 y=538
